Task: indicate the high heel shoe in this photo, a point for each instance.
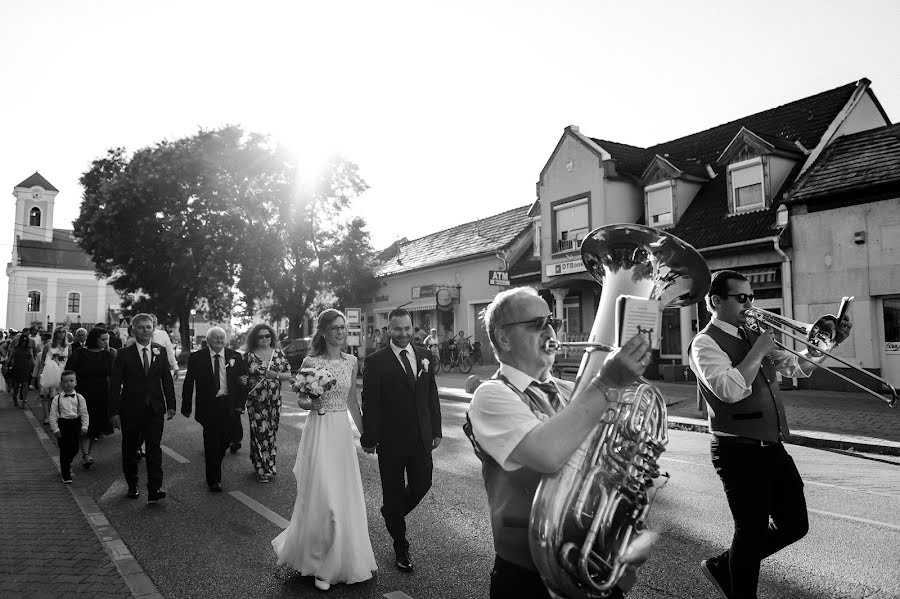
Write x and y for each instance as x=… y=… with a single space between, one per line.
x=86 y=461
x=322 y=585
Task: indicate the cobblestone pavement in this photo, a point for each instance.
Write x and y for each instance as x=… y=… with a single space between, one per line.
x=829 y=418
x=47 y=547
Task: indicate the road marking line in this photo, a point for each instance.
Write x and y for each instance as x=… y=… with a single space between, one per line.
x=396 y=595
x=260 y=509
x=855 y=519
x=175 y=456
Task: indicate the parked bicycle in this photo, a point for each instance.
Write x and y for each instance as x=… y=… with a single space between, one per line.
x=457 y=355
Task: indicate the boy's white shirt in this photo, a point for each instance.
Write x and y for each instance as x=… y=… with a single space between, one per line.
x=71 y=408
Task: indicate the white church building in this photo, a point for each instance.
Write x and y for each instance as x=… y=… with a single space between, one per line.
x=51 y=279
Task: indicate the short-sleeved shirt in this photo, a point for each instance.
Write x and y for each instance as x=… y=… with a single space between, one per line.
x=500 y=419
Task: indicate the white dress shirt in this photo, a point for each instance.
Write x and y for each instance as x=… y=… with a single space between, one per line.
x=140 y=350
x=714 y=369
x=410 y=356
x=64 y=408
x=500 y=419
x=223 y=378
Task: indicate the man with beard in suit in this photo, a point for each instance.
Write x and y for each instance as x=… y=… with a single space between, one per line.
x=142 y=391
x=402 y=422
x=220 y=376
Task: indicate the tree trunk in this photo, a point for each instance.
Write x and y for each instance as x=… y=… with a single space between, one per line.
x=295 y=322
x=184 y=328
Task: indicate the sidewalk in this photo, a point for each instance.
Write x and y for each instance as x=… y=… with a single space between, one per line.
x=50 y=533
x=827 y=419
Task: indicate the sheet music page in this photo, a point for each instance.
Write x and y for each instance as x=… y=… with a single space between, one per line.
x=637 y=314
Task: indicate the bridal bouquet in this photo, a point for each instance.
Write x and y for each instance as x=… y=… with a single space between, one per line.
x=314 y=382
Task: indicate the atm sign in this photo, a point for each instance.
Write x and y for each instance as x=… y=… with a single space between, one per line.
x=498 y=277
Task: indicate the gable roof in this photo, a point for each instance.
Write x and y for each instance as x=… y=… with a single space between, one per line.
x=62 y=252
x=37 y=179
x=869 y=160
x=485 y=235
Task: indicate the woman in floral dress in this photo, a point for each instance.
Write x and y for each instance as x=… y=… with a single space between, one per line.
x=267 y=368
x=328 y=536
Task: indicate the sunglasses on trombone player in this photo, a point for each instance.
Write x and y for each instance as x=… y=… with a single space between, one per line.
x=538 y=324
x=741 y=297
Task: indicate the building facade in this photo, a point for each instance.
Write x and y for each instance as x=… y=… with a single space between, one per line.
x=723 y=190
x=51 y=279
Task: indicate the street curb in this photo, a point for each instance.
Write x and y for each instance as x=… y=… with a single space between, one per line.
x=139 y=582
x=702 y=426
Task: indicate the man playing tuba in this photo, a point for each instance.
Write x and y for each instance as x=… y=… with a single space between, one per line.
x=524 y=424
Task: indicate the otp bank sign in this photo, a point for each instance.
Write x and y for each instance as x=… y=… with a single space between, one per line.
x=564 y=268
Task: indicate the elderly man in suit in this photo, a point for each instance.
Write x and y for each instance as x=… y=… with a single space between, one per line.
x=141 y=391
x=402 y=422
x=220 y=376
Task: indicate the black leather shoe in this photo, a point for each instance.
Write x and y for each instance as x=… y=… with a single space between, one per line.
x=717 y=575
x=155 y=495
x=234 y=447
x=215 y=487
x=403 y=563
x=133 y=492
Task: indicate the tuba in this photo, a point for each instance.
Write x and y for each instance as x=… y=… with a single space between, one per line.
x=585 y=516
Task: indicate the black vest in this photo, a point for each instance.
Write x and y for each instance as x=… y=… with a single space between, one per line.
x=759 y=416
x=510 y=494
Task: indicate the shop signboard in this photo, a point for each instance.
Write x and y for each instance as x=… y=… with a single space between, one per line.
x=498 y=277
x=353 y=318
x=564 y=268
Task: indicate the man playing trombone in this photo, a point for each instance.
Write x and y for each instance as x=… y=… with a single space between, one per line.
x=735 y=371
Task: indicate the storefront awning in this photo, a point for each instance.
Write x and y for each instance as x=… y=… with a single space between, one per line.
x=414 y=307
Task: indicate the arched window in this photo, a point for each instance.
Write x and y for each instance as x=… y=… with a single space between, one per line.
x=34 y=217
x=74 y=303
x=34 y=301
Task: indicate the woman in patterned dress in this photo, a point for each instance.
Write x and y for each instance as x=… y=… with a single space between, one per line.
x=267 y=368
x=53 y=359
x=328 y=536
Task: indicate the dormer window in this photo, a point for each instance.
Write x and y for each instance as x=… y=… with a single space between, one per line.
x=746 y=185
x=34 y=217
x=659 y=204
x=571 y=223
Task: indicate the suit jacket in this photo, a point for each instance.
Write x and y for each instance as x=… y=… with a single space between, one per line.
x=200 y=374
x=130 y=388
x=396 y=414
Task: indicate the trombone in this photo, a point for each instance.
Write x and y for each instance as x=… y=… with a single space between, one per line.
x=820 y=337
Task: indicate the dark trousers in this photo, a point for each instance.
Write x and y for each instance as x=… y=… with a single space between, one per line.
x=511 y=580
x=70 y=431
x=216 y=439
x=404 y=482
x=236 y=428
x=761 y=483
x=146 y=426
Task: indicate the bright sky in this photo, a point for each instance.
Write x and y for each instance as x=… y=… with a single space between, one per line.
x=450 y=109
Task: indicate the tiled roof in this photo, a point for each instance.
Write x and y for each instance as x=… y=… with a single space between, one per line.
x=62 y=252
x=853 y=162
x=477 y=237
x=37 y=179
x=630 y=160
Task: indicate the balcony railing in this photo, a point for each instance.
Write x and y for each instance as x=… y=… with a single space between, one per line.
x=567 y=245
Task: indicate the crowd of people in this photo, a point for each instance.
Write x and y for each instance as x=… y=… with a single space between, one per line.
x=523 y=424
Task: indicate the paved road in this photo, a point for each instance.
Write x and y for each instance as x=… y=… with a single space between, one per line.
x=197 y=544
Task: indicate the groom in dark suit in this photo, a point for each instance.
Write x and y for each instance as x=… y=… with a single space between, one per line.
x=219 y=374
x=402 y=422
x=141 y=390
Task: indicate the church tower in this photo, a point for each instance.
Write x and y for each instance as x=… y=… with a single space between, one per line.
x=35 y=197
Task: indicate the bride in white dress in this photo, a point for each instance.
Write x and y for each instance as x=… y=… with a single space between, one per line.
x=328 y=536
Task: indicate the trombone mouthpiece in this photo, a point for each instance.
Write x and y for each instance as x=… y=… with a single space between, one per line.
x=552 y=346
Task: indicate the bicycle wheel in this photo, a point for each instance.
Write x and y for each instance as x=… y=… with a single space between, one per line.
x=446 y=365
x=465 y=364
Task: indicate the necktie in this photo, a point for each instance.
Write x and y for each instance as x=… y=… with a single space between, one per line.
x=146 y=361
x=218 y=371
x=407 y=367
x=549 y=389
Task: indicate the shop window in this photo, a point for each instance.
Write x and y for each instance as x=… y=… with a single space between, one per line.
x=34 y=217
x=892 y=322
x=571 y=223
x=670 y=337
x=659 y=204
x=572 y=318
x=73 y=304
x=34 y=301
x=746 y=185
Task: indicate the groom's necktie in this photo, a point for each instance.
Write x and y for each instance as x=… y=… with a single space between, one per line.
x=407 y=367
x=146 y=362
x=217 y=372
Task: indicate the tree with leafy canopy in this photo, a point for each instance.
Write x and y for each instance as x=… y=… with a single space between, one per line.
x=167 y=225
x=308 y=245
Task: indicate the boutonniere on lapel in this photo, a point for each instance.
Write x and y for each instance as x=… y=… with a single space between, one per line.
x=424 y=366
x=155 y=351
x=231 y=363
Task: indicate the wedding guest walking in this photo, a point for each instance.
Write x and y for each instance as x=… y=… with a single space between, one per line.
x=328 y=536
x=142 y=391
x=50 y=367
x=402 y=422
x=21 y=365
x=219 y=373
x=93 y=365
x=80 y=338
x=267 y=368
x=69 y=420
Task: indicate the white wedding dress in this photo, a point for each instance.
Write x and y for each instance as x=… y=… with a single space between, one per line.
x=328 y=536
